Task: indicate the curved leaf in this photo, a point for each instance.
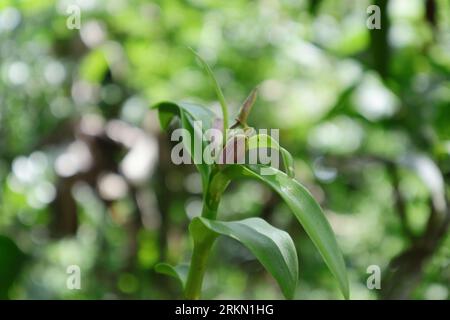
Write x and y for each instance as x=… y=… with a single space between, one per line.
x=266 y=141
x=273 y=247
x=179 y=272
x=288 y=162
x=306 y=210
x=219 y=93
x=167 y=110
x=188 y=114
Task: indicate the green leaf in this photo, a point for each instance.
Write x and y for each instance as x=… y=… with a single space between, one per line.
x=274 y=248
x=179 y=272
x=188 y=114
x=288 y=162
x=306 y=210
x=265 y=141
x=167 y=110
x=219 y=93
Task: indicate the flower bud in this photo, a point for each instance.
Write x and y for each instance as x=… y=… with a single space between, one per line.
x=234 y=150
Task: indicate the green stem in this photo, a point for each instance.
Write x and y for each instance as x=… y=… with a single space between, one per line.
x=197 y=269
x=225 y=117
x=202 y=246
x=218 y=183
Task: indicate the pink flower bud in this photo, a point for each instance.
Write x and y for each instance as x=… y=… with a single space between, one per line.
x=234 y=150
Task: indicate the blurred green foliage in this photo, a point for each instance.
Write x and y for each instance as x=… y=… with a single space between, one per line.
x=369 y=130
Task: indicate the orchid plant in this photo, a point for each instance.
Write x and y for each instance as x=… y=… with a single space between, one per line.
x=274 y=248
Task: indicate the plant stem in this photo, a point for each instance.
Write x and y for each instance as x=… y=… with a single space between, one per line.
x=211 y=200
x=197 y=269
x=202 y=246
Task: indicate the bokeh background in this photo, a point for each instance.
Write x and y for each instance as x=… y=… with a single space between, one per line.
x=85 y=171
